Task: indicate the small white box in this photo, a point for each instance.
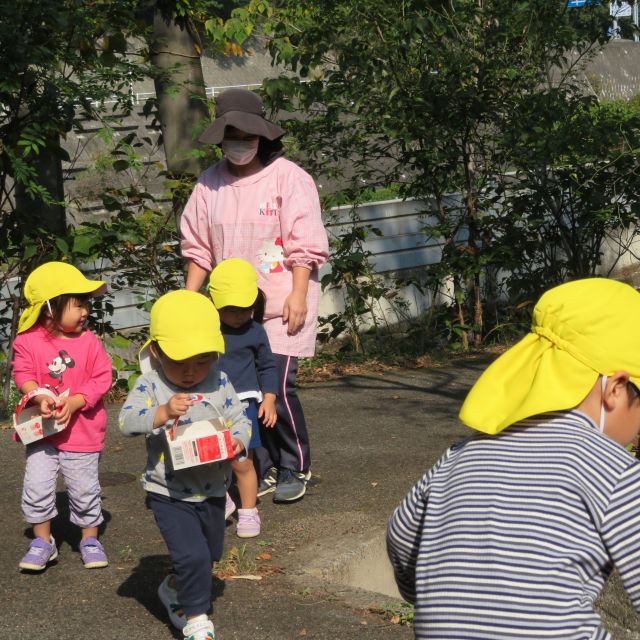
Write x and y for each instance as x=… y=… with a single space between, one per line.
x=29 y=424
x=202 y=442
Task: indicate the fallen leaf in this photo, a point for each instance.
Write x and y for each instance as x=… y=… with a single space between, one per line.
x=394 y=619
x=269 y=569
x=264 y=556
x=395 y=397
x=302 y=632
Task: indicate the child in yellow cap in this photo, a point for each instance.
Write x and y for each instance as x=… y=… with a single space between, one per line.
x=55 y=352
x=513 y=532
x=179 y=375
x=251 y=367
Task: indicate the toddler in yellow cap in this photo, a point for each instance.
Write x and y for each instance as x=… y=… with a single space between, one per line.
x=251 y=367
x=181 y=381
x=61 y=367
x=513 y=532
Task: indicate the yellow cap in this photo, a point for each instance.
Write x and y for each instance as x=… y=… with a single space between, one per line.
x=233 y=283
x=184 y=324
x=580 y=331
x=50 y=280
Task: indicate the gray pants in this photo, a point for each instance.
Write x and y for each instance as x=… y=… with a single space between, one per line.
x=80 y=473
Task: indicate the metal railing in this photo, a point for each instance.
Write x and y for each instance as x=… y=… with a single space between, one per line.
x=139 y=97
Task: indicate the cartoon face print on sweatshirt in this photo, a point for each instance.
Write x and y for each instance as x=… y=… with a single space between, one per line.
x=271 y=256
x=59 y=365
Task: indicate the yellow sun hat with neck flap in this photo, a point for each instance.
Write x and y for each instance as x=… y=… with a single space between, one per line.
x=580 y=330
x=50 y=280
x=184 y=324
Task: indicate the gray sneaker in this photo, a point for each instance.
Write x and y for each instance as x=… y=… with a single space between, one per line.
x=268 y=483
x=291 y=486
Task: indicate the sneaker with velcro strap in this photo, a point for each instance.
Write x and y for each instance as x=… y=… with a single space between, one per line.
x=93 y=554
x=39 y=554
x=199 y=628
x=169 y=598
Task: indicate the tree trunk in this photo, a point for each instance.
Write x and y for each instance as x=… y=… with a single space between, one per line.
x=35 y=213
x=48 y=167
x=180 y=89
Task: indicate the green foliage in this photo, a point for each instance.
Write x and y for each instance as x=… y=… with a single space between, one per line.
x=446 y=98
x=399 y=612
x=72 y=61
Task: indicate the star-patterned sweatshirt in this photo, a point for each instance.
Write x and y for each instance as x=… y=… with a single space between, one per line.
x=136 y=417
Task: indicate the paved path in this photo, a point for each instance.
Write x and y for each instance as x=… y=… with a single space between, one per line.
x=372 y=437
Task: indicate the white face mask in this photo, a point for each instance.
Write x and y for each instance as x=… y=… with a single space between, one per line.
x=603 y=386
x=240 y=152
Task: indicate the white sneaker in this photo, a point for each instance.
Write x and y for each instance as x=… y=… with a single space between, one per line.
x=169 y=598
x=199 y=628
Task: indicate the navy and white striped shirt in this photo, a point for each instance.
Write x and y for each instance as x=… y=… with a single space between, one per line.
x=512 y=536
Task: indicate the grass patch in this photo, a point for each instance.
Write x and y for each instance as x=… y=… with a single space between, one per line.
x=238 y=561
x=396 y=612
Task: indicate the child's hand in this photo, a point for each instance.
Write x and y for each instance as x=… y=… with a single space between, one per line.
x=267 y=411
x=67 y=406
x=237 y=445
x=178 y=405
x=46 y=404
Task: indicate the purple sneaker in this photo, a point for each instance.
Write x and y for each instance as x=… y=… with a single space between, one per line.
x=39 y=554
x=248 y=523
x=92 y=553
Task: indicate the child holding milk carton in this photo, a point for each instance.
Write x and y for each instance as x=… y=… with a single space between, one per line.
x=64 y=372
x=194 y=424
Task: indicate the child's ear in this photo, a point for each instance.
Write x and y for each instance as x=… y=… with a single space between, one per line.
x=617 y=385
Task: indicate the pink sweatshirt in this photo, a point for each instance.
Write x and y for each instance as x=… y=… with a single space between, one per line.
x=271 y=219
x=79 y=364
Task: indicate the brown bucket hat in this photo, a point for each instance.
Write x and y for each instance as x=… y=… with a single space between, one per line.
x=242 y=109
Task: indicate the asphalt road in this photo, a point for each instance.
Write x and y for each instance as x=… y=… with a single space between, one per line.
x=372 y=438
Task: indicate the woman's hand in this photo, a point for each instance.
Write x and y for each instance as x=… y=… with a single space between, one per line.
x=294 y=311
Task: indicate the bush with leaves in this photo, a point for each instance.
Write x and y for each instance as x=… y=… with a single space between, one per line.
x=424 y=95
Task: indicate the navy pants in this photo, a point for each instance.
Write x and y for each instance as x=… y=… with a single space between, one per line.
x=194 y=535
x=286 y=446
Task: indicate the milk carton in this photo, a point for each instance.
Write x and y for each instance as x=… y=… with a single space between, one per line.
x=201 y=442
x=29 y=424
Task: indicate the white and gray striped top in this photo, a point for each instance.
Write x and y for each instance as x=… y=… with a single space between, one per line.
x=512 y=536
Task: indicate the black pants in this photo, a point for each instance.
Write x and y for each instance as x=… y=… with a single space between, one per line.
x=286 y=446
x=194 y=535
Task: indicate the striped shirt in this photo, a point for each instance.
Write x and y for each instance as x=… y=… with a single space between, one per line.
x=513 y=536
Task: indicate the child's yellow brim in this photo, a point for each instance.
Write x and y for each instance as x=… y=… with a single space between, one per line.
x=580 y=331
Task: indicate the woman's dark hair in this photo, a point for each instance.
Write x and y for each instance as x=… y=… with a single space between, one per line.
x=258 y=307
x=59 y=304
x=269 y=150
